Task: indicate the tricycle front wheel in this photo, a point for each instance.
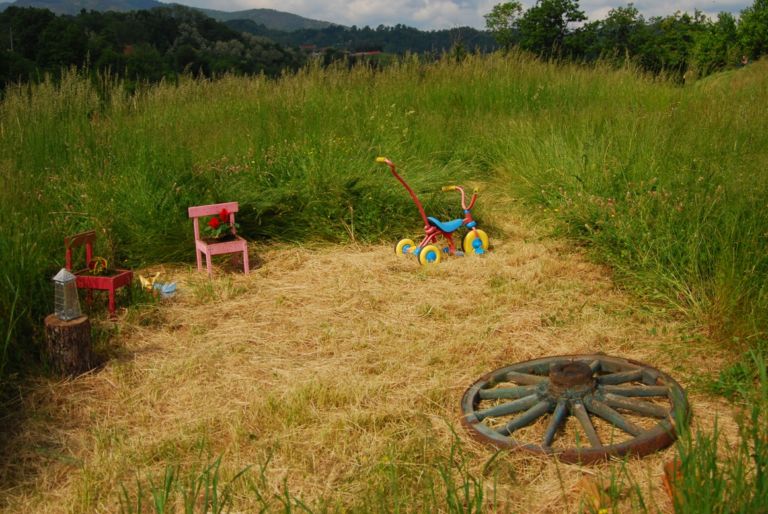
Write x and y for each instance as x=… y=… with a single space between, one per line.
x=475 y=242
x=430 y=254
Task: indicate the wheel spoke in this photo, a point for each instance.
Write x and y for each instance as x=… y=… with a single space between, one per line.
x=561 y=412
x=525 y=378
x=600 y=409
x=621 y=377
x=508 y=408
x=637 y=391
x=507 y=392
x=527 y=417
x=645 y=408
x=581 y=414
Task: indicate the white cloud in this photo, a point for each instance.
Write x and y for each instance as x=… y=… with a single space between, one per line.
x=443 y=14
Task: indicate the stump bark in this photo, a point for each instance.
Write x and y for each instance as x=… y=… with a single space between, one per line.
x=68 y=344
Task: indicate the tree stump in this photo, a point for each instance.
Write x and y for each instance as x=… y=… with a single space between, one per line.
x=68 y=344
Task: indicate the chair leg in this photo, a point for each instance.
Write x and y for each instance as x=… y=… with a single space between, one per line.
x=246 y=267
x=198 y=255
x=208 y=264
x=112 y=302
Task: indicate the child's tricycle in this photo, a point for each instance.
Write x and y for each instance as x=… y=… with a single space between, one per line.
x=475 y=241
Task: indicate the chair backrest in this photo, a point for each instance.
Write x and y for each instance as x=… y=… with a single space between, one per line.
x=76 y=241
x=199 y=211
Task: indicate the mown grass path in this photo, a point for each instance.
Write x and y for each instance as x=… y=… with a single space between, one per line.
x=336 y=373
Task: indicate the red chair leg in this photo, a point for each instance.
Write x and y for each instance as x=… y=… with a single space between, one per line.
x=112 y=301
x=246 y=266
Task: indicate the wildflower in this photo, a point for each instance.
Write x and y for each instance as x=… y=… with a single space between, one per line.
x=214 y=223
x=224 y=216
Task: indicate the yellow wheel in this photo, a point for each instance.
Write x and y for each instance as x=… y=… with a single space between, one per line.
x=404 y=246
x=430 y=254
x=475 y=242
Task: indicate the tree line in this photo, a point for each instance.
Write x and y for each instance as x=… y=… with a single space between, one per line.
x=397 y=39
x=149 y=45
x=674 y=44
x=145 y=45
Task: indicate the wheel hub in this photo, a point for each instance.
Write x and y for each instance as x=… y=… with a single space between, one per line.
x=571 y=379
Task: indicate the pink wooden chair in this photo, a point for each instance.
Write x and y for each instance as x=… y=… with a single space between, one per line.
x=116 y=278
x=211 y=248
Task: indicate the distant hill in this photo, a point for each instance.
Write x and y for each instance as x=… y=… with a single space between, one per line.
x=395 y=40
x=274 y=20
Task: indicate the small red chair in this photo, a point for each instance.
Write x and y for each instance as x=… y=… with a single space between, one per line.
x=211 y=248
x=85 y=279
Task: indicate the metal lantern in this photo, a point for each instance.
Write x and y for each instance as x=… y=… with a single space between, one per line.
x=66 y=302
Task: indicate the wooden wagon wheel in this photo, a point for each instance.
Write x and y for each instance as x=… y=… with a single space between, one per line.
x=610 y=407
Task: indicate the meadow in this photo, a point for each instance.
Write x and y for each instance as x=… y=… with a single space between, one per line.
x=663 y=183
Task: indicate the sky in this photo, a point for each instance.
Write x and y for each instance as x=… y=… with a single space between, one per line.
x=445 y=14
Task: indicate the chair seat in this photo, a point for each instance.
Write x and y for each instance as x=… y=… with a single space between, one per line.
x=120 y=278
x=111 y=283
x=236 y=245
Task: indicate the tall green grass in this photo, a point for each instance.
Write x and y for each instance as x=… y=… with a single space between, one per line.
x=434 y=483
x=666 y=183
x=728 y=476
x=297 y=153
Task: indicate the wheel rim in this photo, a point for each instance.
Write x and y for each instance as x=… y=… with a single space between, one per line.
x=403 y=246
x=608 y=405
x=430 y=254
x=476 y=242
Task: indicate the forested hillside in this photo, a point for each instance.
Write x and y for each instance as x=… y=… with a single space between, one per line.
x=398 y=39
x=138 y=45
x=152 y=44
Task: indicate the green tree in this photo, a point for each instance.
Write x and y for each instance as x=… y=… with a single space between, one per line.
x=717 y=46
x=753 y=29
x=23 y=27
x=63 y=43
x=502 y=22
x=621 y=28
x=671 y=41
x=144 y=62
x=14 y=67
x=545 y=26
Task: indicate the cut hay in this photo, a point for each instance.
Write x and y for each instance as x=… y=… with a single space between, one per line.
x=326 y=369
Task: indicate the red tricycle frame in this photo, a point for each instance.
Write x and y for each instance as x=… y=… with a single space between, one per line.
x=475 y=241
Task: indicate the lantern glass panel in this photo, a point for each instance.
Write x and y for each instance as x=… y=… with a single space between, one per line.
x=66 y=301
